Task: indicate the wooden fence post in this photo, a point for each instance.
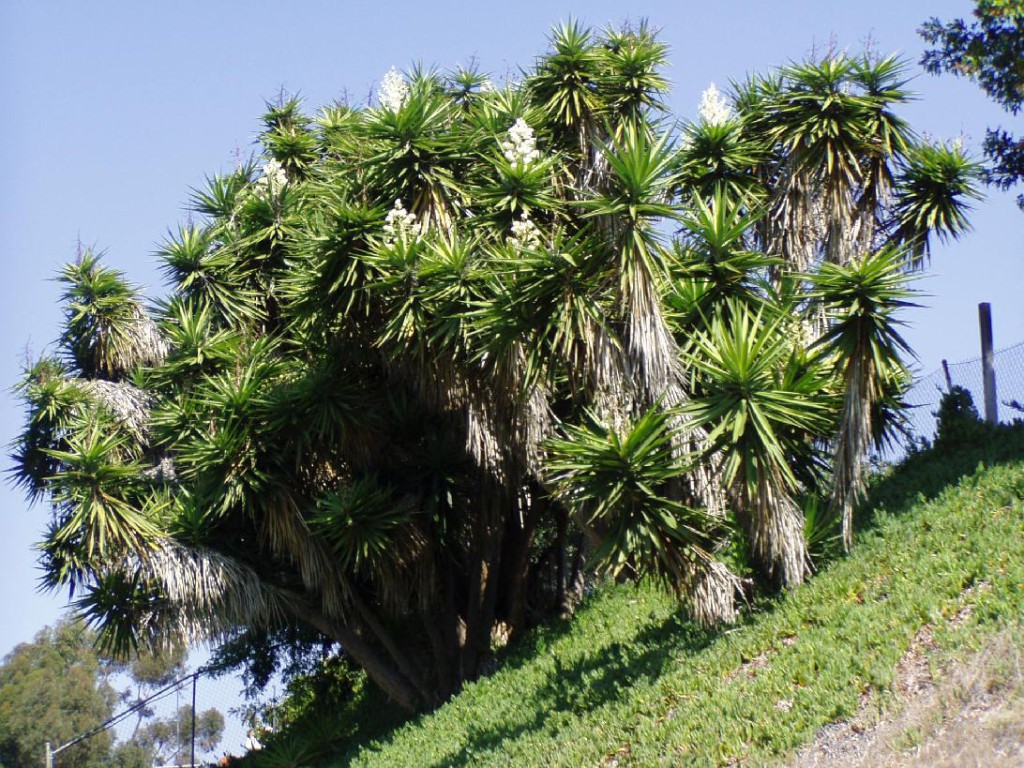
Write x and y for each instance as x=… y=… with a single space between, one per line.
x=988 y=363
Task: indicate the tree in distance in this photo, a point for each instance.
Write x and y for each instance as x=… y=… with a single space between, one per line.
x=989 y=51
x=59 y=687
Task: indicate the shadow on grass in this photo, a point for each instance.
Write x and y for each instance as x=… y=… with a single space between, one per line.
x=590 y=683
x=923 y=475
x=926 y=474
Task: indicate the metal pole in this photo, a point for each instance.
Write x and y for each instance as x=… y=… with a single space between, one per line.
x=49 y=756
x=192 y=762
x=949 y=379
x=988 y=363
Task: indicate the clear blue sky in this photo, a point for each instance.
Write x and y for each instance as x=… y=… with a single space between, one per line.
x=113 y=110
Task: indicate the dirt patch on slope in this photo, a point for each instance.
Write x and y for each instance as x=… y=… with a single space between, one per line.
x=969 y=712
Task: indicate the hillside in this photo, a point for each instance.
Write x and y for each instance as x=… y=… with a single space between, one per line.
x=630 y=682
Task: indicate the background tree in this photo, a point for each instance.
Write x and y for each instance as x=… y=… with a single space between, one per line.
x=989 y=51
x=59 y=687
x=53 y=689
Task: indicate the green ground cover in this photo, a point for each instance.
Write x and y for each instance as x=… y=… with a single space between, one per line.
x=629 y=681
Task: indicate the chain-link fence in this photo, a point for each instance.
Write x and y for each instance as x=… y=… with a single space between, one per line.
x=195 y=721
x=923 y=397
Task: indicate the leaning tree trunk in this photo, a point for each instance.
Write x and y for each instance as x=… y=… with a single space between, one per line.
x=397 y=687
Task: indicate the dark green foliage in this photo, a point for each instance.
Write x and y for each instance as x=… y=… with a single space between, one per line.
x=990 y=51
x=330 y=705
x=822 y=529
x=958 y=425
x=363 y=524
x=53 y=403
x=935 y=184
x=620 y=484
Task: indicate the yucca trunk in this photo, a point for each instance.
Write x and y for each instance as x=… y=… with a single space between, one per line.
x=654 y=358
x=653 y=351
x=713 y=590
x=776 y=533
x=208 y=594
x=852 y=443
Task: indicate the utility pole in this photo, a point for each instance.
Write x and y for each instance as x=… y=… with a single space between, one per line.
x=193 y=760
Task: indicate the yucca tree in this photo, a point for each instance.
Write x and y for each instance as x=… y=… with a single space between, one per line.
x=936 y=185
x=107 y=332
x=621 y=484
x=721 y=155
x=831 y=176
x=833 y=142
x=862 y=300
x=823 y=142
x=761 y=408
x=626 y=212
x=420 y=357
x=713 y=263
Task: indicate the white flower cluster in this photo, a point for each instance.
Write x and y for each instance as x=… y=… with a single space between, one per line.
x=524 y=233
x=272 y=177
x=521 y=146
x=714 y=107
x=400 y=224
x=393 y=90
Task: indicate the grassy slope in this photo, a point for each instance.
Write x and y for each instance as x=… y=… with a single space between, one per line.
x=629 y=682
